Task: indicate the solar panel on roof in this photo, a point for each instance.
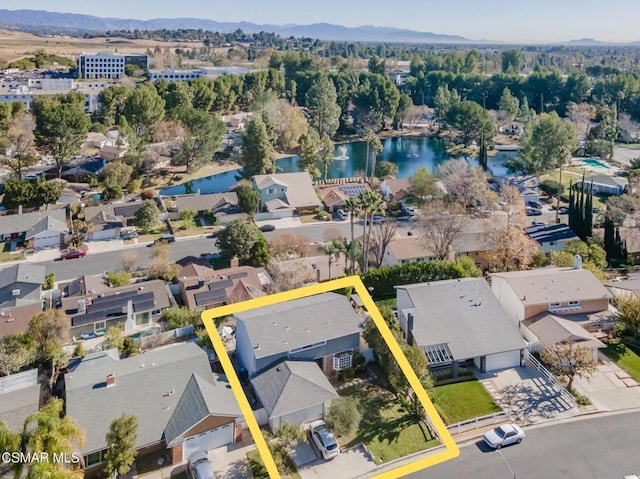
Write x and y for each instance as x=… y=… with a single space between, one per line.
x=73 y=288
x=220 y=284
x=208 y=297
x=352 y=190
x=143 y=305
x=238 y=275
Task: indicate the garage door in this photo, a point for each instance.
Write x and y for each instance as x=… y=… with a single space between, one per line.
x=509 y=359
x=47 y=239
x=208 y=440
x=103 y=234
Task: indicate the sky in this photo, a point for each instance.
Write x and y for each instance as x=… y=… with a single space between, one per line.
x=539 y=21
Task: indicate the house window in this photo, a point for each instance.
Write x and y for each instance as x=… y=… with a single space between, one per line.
x=271 y=191
x=308 y=346
x=342 y=360
x=93 y=458
x=100 y=326
x=553 y=243
x=554 y=305
x=574 y=303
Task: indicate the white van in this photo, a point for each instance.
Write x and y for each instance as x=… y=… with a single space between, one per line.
x=342 y=215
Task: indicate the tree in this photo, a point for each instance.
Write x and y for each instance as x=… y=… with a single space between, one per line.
x=61 y=126
x=322 y=103
x=386 y=168
x=441 y=223
x=112 y=100
x=352 y=207
x=466 y=183
x=510 y=246
x=16 y=351
x=443 y=101
x=588 y=251
x=20 y=136
x=471 y=120
x=326 y=154
x=629 y=312
x=188 y=218
x=121 y=445
x=114 y=338
x=143 y=108
x=332 y=251
x=512 y=61
x=180 y=317
x=50 y=331
x=581 y=209
x=117 y=173
x=370 y=203
x=381 y=235
x=248 y=199
x=508 y=105
x=238 y=239
x=289 y=275
x=147 y=217
x=344 y=416
x=422 y=185
x=119 y=278
x=549 y=144
x=129 y=260
x=569 y=360
x=310 y=153
x=375 y=146
x=258 y=155
x=288 y=245
x=204 y=134
x=50 y=431
x=178 y=96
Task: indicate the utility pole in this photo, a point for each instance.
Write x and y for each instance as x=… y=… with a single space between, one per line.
x=513 y=474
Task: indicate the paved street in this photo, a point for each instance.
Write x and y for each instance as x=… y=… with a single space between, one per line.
x=593 y=448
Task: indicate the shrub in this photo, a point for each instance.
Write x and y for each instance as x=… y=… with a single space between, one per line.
x=49 y=281
x=179 y=317
x=359 y=363
x=344 y=416
x=148 y=194
x=323 y=216
x=346 y=374
x=550 y=187
x=119 y=278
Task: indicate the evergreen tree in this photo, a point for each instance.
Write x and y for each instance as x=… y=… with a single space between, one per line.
x=258 y=155
x=482 y=154
x=581 y=209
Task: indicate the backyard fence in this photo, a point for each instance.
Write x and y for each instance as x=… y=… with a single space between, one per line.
x=163 y=338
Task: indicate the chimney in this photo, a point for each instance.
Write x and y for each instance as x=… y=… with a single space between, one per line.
x=82 y=306
x=111 y=380
x=200 y=282
x=577 y=262
x=234 y=262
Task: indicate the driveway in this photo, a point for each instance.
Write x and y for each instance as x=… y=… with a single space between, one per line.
x=350 y=463
x=610 y=388
x=230 y=462
x=527 y=394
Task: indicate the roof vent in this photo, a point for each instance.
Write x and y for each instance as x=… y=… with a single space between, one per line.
x=15 y=292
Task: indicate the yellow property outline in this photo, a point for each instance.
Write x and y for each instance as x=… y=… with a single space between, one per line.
x=451 y=449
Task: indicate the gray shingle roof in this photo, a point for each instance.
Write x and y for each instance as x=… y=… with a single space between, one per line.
x=292 y=386
x=22 y=273
x=19 y=398
x=201 y=398
x=301 y=322
x=143 y=388
x=46 y=223
x=300 y=192
x=465 y=315
x=24 y=222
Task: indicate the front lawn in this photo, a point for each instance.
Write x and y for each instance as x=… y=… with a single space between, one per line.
x=461 y=401
x=387 y=429
x=260 y=472
x=627 y=357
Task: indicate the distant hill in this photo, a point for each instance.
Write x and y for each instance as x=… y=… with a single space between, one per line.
x=29 y=20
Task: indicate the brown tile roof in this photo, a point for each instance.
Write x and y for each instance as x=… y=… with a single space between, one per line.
x=410 y=248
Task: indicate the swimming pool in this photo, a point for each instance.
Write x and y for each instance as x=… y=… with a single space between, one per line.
x=593 y=163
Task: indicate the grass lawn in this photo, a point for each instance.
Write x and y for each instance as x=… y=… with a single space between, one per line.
x=386 y=428
x=391 y=302
x=462 y=401
x=572 y=174
x=6 y=256
x=259 y=471
x=625 y=357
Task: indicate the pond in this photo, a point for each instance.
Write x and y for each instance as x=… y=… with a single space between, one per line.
x=409 y=154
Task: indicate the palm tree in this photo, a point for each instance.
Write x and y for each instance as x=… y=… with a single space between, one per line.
x=353 y=207
x=371 y=203
x=331 y=250
x=376 y=147
x=368 y=135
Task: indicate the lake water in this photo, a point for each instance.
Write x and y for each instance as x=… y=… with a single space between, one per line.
x=409 y=154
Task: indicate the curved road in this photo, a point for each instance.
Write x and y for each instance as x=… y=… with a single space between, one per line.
x=602 y=447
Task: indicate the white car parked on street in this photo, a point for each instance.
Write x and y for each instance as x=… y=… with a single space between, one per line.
x=504 y=435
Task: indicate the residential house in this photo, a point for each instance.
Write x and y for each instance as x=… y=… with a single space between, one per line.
x=19 y=398
x=284 y=194
x=395 y=189
x=548 y=330
x=16 y=319
x=40 y=229
x=624 y=287
x=223 y=206
x=114 y=213
x=98 y=140
x=105 y=224
x=458 y=321
x=552 y=237
x=408 y=249
x=322 y=328
x=631 y=238
x=111 y=153
x=201 y=287
x=605 y=185
x=21 y=284
x=334 y=197
x=93 y=306
x=565 y=291
x=528 y=194
x=294 y=392
x=181 y=406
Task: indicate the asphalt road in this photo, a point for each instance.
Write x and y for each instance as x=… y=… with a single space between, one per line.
x=603 y=447
x=112 y=261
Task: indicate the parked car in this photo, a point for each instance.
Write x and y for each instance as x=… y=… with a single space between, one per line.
x=324 y=439
x=535 y=204
x=504 y=435
x=377 y=220
x=538 y=223
x=166 y=239
x=73 y=254
x=408 y=210
x=341 y=214
x=265 y=228
x=563 y=211
x=199 y=466
x=534 y=212
x=128 y=234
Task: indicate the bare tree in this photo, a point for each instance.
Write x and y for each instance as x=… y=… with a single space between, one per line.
x=629 y=129
x=381 y=236
x=129 y=260
x=466 y=183
x=580 y=114
x=441 y=223
x=20 y=136
x=569 y=360
x=289 y=245
x=288 y=275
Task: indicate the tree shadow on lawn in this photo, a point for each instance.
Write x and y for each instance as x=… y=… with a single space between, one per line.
x=615 y=350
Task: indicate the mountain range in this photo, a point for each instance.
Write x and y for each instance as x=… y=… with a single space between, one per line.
x=49 y=22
